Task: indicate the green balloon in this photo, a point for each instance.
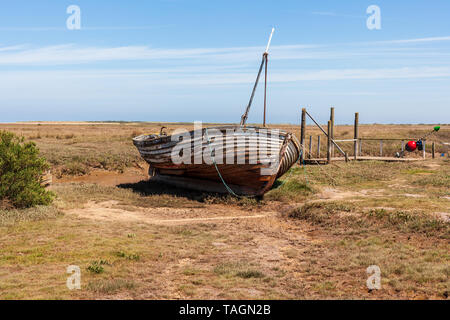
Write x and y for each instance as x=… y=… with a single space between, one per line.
x=436 y=128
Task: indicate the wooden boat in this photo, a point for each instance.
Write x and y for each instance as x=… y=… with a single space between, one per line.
x=249 y=171
x=241 y=169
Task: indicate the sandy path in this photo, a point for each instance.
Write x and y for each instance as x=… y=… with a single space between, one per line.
x=111 y=211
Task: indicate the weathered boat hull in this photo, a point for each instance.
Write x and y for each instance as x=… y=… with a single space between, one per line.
x=248 y=159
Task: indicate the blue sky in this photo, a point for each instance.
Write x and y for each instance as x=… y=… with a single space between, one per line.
x=178 y=60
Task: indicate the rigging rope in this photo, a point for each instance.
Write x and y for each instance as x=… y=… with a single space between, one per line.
x=217 y=168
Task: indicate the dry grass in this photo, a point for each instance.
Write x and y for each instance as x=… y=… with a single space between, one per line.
x=110 y=286
x=321 y=228
x=76 y=149
x=240 y=269
x=13 y=216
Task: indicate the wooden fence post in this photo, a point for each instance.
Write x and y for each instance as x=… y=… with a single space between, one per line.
x=329 y=142
x=423 y=150
x=302 y=134
x=433 y=150
x=318 y=146
x=381 y=148
x=332 y=129
x=355 y=136
x=310 y=147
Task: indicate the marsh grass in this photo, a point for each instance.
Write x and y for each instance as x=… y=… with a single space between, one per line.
x=239 y=269
x=96 y=266
x=227 y=199
x=355 y=173
x=340 y=214
x=412 y=221
x=128 y=256
x=291 y=188
x=109 y=286
x=14 y=216
x=322 y=251
x=438 y=179
x=321 y=212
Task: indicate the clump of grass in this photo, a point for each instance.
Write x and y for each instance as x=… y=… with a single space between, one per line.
x=13 y=216
x=187 y=289
x=191 y=271
x=97 y=266
x=440 y=179
x=184 y=232
x=291 y=189
x=73 y=169
x=35 y=137
x=418 y=171
x=250 y=274
x=325 y=287
x=412 y=221
x=128 y=256
x=237 y=269
x=109 y=286
x=320 y=212
x=297 y=186
x=245 y=202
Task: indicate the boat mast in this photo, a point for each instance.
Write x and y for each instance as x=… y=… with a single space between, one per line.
x=263 y=62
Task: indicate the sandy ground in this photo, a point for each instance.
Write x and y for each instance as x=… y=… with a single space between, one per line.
x=108 y=211
x=108 y=178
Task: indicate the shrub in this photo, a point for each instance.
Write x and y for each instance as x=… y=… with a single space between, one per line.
x=96 y=267
x=21 y=170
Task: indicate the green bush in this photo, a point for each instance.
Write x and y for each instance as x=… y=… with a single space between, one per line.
x=21 y=170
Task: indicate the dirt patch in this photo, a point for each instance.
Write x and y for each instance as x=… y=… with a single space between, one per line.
x=443 y=215
x=410 y=195
x=432 y=165
x=111 y=211
x=108 y=178
x=335 y=194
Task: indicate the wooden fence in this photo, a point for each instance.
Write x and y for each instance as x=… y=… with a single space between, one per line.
x=386 y=146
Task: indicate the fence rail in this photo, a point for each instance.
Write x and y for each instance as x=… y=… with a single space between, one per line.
x=386 y=145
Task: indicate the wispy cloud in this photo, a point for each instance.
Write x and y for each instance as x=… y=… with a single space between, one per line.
x=235 y=65
x=335 y=14
x=12 y=48
x=191 y=77
x=32 y=28
x=84 y=28
x=70 y=54
x=418 y=40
